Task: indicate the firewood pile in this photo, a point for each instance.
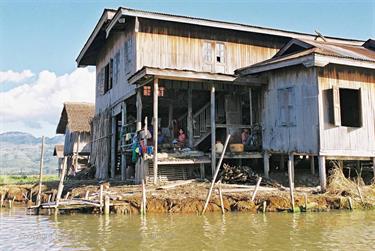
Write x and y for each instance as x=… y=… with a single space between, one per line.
x=243 y=175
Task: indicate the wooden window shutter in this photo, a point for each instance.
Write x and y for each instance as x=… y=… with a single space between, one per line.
x=336 y=106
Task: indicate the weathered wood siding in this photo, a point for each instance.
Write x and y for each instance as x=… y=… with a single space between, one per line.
x=116 y=44
x=302 y=137
x=71 y=140
x=341 y=140
x=178 y=46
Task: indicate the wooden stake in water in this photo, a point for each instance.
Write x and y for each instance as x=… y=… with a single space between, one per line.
x=101 y=198
x=144 y=200
x=256 y=188
x=216 y=173
x=221 y=199
x=106 y=205
x=2 y=200
x=38 y=200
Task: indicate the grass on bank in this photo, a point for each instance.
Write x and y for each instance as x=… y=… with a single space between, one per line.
x=25 y=179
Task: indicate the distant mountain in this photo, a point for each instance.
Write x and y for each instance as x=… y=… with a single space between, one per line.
x=20 y=153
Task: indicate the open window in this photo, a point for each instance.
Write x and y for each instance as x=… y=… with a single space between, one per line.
x=108 y=76
x=220 y=53
x=347 y=110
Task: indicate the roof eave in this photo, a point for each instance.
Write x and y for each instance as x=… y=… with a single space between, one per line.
x=104 y=17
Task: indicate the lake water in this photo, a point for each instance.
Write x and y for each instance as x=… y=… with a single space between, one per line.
x=236 y=231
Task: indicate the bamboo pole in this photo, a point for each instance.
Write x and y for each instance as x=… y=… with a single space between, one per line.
x=61 y=183
x=216 y=173
x=291 y=182
x=256 y=188
x=221 y=199
x=38 y=200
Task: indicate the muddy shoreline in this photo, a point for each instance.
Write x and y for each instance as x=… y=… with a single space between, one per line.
x=190 y=198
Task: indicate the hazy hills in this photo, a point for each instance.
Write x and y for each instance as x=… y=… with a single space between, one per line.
x=20 y=153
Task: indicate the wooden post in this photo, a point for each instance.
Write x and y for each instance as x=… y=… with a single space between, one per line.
x=251 y=107
x=156 y=127
x=282 y=162
x=266 y=160
x=67 y=195
x=322 y=173
x=61 y=183
x=202 y=171
x=312 y=165
x=10 y=203
x=101 y=198
x=144 y=200
x=264 y=206
x=2 y=200
x=350 y=203
x=291 y=179
x=123 y=156
x=190 y=117
x=106 y=205
x=139 y=109
x=256 y=188
x=221 y=199
x=216 y=173
x=77 y=153
x=373 y=167
x=113 y=146
x=87 y=195
x=213 y=131
x=38 y=200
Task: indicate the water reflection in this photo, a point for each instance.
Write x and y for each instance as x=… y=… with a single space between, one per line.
x=278 y=231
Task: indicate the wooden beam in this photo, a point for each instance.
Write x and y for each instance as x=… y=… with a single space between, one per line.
x=123 y=156
x=156 y=126
x=213 y=131
x=113 y=146
x=266 y=164
x=190 y=117
x=41 y=163
x=250 y=107
x=322 y=173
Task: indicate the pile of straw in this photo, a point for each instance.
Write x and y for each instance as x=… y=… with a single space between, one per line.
x=338 y=184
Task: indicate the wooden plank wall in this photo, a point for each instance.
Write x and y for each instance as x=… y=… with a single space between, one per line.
x=303 y=136
x=70 y=142
x=341 y=140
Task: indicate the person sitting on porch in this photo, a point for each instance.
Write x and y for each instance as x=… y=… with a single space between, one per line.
x=181 y=139
x=161 y=137
x=245 y=136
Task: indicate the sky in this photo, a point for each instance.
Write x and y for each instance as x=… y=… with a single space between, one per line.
x=40 y=40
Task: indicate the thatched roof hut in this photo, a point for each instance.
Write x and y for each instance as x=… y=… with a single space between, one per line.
x=76 y=116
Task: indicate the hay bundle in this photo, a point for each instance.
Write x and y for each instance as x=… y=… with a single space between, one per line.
x=338 y=184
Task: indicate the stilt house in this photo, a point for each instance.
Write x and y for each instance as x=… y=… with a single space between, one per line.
x=167 y=72
x=74 y=123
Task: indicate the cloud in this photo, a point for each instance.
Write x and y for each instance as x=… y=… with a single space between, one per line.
x=36 y=107
x=13 y=76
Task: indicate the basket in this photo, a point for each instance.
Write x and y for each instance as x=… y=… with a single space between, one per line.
x=236 y=148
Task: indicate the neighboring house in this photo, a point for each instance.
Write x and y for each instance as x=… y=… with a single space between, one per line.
x=58 y=151
x=75 y=124
x=319 y=100
x=176 y=71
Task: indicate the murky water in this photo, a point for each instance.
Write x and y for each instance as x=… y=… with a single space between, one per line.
x=273 y=231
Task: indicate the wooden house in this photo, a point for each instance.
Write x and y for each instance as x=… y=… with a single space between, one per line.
x=75 y=124
x=58 y=151
x=319 y=100
x=170 y=71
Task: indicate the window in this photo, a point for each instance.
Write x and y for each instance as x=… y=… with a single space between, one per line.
x=346 y=105
x=207 y=52
x=161 y=91
x=286 y=99
x=146 y=90
x=108 y=76
x=220 y=53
